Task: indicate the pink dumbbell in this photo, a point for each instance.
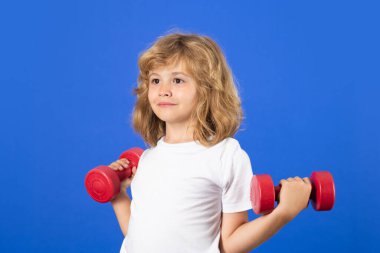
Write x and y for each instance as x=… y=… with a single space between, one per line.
x=103 y=183
x=264 y=194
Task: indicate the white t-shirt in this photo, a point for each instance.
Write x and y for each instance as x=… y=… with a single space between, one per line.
x=179 y=192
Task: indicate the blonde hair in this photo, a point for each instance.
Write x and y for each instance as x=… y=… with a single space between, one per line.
x=218 y=113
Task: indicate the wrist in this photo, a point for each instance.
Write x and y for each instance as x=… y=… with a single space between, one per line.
x=122 y=196
x=283 y=213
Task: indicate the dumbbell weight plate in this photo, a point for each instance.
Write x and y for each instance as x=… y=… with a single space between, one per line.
x=262 y=194
x=102 y=183
x=323 y=193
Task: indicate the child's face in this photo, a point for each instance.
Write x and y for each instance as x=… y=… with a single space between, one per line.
x=174 y=85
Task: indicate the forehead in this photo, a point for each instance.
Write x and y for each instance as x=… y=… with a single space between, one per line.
x=178 y=66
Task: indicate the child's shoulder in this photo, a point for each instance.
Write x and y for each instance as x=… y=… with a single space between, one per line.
x=233 y=153
x=230 y=145
x=231 y=142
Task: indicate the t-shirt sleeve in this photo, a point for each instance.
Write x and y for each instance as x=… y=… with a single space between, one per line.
x=236 y=182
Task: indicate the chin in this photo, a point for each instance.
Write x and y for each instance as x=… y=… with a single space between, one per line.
x=163 y=118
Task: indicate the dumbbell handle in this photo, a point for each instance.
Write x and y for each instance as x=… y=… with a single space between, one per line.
x=277 y=190
x=127 y=172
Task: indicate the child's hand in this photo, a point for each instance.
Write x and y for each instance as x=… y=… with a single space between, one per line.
x=294 y=196
x=121 y=165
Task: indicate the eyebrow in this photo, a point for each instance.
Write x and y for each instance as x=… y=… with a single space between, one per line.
x=173 y=73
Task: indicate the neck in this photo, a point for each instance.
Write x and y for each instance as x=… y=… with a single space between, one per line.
x=178 y=133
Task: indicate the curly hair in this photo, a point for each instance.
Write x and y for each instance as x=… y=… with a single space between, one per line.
x=218 y=112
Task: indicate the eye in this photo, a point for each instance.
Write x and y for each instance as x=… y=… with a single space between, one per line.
x=155 y=81
x=177 y=80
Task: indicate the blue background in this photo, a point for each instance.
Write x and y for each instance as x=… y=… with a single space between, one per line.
x=308 y=75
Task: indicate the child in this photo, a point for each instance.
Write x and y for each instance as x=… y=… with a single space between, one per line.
x=191 y=191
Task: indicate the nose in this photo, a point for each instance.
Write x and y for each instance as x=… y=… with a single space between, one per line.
x=165 y=89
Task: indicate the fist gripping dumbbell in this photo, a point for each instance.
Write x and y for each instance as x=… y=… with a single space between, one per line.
x=103 y=183
x=264 y=193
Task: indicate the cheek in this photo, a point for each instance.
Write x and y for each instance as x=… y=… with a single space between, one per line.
x=193 y=97
x=188 y=95
x=150 y=95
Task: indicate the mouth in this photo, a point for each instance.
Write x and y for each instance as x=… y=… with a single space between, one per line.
x=166 y=104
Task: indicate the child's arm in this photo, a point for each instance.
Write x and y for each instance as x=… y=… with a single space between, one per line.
x=122 y=203
x=122 y=208
x=239 y=235
x=246 y=235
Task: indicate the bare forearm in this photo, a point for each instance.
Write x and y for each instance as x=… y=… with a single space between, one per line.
x=251 y=234
x=122 y=208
